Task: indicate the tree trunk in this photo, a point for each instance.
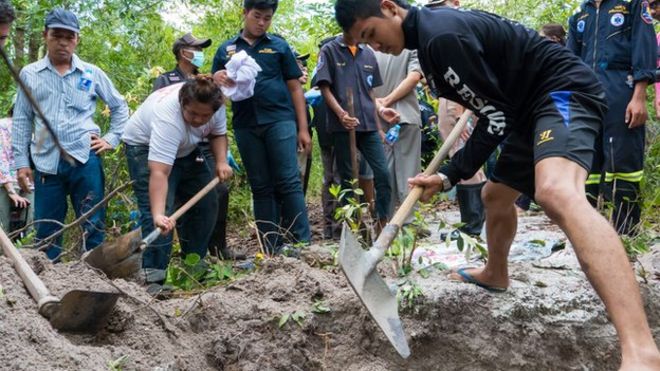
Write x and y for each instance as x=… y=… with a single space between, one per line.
x=19 y=46
x=35 y=43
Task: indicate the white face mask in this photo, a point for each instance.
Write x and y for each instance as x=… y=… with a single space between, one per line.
x=198 y=58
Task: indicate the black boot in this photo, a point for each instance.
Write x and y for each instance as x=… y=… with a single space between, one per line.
x=471 y=207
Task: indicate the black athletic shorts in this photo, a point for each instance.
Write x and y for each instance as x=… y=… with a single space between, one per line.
x=565 y=124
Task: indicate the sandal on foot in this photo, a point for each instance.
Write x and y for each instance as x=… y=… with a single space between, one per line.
x=468 y=278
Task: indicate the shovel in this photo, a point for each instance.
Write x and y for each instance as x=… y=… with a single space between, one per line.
x=122 y=258
x=359 y=265
x=77 y=311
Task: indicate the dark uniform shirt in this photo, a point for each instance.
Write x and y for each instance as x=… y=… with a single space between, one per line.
x=617 y=36
x=168 y=78
x=499 y=69
x=341 y=71
x=272 y=100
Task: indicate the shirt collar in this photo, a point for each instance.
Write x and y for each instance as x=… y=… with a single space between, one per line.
x=409 y=26
x=239 y=36
x=76 y=63
x=340 y=41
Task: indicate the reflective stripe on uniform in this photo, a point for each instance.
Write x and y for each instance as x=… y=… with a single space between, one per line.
x=634 y=177
x=593 y=179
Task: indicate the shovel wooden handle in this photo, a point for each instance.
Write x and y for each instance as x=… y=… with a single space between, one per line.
x=352 y=140
x=182 y=210
x=415 y=193
x=35 y=286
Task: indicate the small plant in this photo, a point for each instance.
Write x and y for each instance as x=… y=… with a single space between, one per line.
x=351 y=211
x=404 y=246
x=297 y=317
x=194 y=273
x=320 y=307
x=118 y=364
x=409 y=294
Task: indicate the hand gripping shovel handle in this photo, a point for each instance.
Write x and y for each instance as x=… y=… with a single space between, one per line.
x=182 y=210
x=389 y=232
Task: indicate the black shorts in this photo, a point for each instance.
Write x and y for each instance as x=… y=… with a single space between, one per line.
x=564 y=124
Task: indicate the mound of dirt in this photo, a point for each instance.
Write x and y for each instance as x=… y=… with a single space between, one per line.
x=549 y=319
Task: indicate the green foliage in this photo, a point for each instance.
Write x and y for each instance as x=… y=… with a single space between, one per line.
x=118 y=364
x=351 y=211
x=320 y=307
x=298 y=317
x=409 y=294
x=193 y=273
x=531 y=13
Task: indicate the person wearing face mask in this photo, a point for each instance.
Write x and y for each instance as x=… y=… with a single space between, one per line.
x=189 y=53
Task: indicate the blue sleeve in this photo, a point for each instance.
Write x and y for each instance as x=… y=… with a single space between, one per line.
x=572 y=42
x=220 y=58
x=117 y=105
x=290 y=69
x=644 y=43
x=323 y=73
x=378 y=80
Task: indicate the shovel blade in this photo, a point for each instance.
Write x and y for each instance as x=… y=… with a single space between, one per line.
x=83 y=311
x=372 y=290
x=112 y=257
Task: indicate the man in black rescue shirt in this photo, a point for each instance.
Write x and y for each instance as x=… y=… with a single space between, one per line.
x=546 y=107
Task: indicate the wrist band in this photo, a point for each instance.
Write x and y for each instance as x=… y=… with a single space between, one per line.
x=446 y=183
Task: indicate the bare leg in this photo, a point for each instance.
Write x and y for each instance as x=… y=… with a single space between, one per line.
x=560 y=182
x=501 y=225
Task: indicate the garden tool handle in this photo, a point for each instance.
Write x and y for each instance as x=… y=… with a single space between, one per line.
x=182 y=210
x=33 y=283
x=352 y=140
x=389 y=232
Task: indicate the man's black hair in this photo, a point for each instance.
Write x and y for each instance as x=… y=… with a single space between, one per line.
x=7 y=14
x=260 y=4
x=347 y=12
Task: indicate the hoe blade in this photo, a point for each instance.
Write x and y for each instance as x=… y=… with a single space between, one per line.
x=372 y=290
x=83 y=311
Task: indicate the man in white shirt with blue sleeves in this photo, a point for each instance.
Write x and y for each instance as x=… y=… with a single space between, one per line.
x=66 y=88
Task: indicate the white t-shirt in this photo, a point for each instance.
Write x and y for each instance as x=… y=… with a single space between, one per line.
x=158 y=122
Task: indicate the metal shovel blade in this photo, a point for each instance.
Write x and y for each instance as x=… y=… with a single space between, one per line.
x=112 y=257
x=372 y=290
x=83 y=311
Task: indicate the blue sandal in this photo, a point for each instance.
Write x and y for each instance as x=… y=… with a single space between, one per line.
x=467 y=278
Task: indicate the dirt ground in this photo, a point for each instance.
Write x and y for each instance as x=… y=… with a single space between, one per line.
x=550 y=319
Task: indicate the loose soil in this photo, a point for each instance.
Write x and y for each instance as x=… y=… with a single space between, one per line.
x=550 y=319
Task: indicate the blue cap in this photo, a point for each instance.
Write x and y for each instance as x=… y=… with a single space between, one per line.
x=60 y=18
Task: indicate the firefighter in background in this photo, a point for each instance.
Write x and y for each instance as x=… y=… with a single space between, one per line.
x=616 y=39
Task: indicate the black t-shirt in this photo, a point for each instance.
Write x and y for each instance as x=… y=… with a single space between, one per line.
x=498 y=68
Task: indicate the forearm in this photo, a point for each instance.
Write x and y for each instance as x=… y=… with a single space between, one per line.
x=119 y=117
x=298 y=99
x=640 y=91
x=404 y=88
x=377 y=108
x=331 y=101
x=158 y=192
x=219 y=148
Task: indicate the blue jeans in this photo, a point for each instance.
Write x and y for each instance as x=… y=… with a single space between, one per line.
x=188 y=175
x=269 y=156
x=84 y=184
x=371 y=149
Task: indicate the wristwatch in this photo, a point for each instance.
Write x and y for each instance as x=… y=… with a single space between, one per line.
x=446 y=183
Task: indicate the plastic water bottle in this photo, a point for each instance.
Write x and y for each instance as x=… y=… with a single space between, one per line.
x=85 y=83
x=393 y=134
